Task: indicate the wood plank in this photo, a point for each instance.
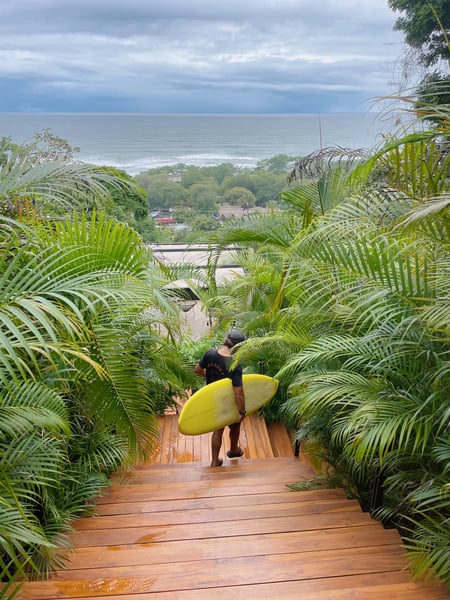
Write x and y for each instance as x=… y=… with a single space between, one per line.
x=265 y=437
x=231 y=471
x=262 y=441
x=137 y=535
x=174 y=435
x=164 y=440
x=235 y=513
x=279 y=439
x=197 y=445
x=243 y=441
x=250 y=448
x=205 y=441
x=374 y=586
x=245 y=545
x=353 y=587
x=226 y=572
x=290 y=469
x=194 y=489
x=153 y=506
x=180 y=448
x=260 y=464
x=229 y=475
x=253 y=423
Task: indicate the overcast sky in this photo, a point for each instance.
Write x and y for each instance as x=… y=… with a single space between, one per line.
x=196 y=56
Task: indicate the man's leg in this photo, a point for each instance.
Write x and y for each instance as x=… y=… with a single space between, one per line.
x=235 y=429
x=216 y=443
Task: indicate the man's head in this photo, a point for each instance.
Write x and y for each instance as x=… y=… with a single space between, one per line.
x=235 y=336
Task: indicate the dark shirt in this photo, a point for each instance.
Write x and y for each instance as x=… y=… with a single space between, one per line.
x=218 y=367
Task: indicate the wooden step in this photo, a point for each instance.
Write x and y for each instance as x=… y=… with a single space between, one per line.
x=232 y=468
x=225 y=572
x=206 y=515
x=242 y=545
x=182 y=504
x=187 y=531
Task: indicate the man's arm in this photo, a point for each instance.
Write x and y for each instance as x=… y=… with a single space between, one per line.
x=239 y=396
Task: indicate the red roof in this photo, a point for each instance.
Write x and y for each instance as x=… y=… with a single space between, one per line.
x=165 y=220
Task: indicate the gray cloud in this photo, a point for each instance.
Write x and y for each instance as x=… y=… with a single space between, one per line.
x=197 y=56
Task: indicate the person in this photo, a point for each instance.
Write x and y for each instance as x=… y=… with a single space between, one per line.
x=217 y=364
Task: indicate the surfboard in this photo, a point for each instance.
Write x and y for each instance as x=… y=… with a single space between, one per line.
x=213 y=406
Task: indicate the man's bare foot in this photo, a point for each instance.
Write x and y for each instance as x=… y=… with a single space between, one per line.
x=219 y=463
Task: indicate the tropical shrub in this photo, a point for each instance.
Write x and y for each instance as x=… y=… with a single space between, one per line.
x=357 y=327
x=84 y=348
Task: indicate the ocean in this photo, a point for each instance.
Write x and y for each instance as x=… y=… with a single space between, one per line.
x=138 y=142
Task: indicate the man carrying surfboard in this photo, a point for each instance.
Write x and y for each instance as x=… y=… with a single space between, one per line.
x=217 y=364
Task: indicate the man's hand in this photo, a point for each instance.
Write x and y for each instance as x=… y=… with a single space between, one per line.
x=198 y=370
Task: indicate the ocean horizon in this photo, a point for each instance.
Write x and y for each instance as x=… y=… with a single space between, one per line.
x=138 y=142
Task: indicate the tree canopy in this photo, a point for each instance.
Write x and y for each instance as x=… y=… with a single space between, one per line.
x=426 y=25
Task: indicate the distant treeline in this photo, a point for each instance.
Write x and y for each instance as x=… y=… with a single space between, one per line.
x=195 y=197
x=204 y=189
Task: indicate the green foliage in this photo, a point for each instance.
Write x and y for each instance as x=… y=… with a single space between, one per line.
x=162 y=192
x=240 y=196
x=219 y=172
x=421 y=168
x=130 y=196
x=204 y=189
x=82 y=355
x=203 y=198
x=345 y=299
x=42 y=178
x=192 y=175
x=425 y=25
x=279 y=164
x=49 y=187
x=269 y=187
x=433 y=90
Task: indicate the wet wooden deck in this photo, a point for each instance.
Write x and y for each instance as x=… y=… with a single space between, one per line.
x=181 y=530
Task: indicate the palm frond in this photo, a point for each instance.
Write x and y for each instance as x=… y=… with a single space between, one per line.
x=53 y=181
x=326 y=159
x=275 y=230
x=429 y=553
x=29 y=405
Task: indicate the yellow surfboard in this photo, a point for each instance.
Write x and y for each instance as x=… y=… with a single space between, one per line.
x=213 y=406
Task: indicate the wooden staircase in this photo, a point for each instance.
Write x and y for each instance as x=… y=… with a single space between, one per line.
x=187 y=531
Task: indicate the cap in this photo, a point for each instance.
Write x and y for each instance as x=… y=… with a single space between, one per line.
x=235 y=336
